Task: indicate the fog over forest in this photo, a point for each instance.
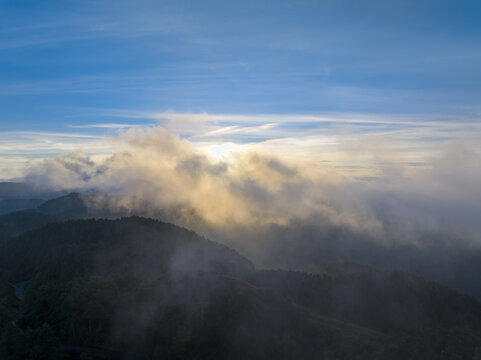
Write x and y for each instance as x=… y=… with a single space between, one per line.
x=286 y=214
x=219 y=179
x=249 y=192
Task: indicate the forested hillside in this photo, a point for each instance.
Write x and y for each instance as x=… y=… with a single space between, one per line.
x=151 y=290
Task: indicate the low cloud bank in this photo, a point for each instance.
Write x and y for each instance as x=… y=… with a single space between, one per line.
x=250 y=196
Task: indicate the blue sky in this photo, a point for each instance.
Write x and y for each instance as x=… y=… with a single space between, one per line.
x=66 y=65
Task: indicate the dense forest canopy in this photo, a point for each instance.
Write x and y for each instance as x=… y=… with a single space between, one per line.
x=151 y=290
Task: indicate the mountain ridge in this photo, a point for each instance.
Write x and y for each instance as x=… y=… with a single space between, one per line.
x=144 y=287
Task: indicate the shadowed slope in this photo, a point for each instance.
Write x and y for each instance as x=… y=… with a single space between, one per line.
x=155 y=290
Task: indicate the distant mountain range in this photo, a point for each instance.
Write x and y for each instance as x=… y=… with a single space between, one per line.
x=16 y=196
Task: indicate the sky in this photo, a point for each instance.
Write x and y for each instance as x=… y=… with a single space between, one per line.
x=352 y=84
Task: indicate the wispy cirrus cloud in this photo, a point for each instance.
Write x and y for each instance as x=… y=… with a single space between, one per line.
x=20 y=149
x=106 y=126
x=358 y=144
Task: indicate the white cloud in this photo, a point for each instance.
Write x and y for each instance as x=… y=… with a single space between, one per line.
x=359 y=146
x=257 y=185
x=106 y=126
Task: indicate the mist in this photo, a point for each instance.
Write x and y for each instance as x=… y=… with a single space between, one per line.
x=255 y=200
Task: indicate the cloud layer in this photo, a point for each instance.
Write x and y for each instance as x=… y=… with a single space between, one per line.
x=246 y=193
